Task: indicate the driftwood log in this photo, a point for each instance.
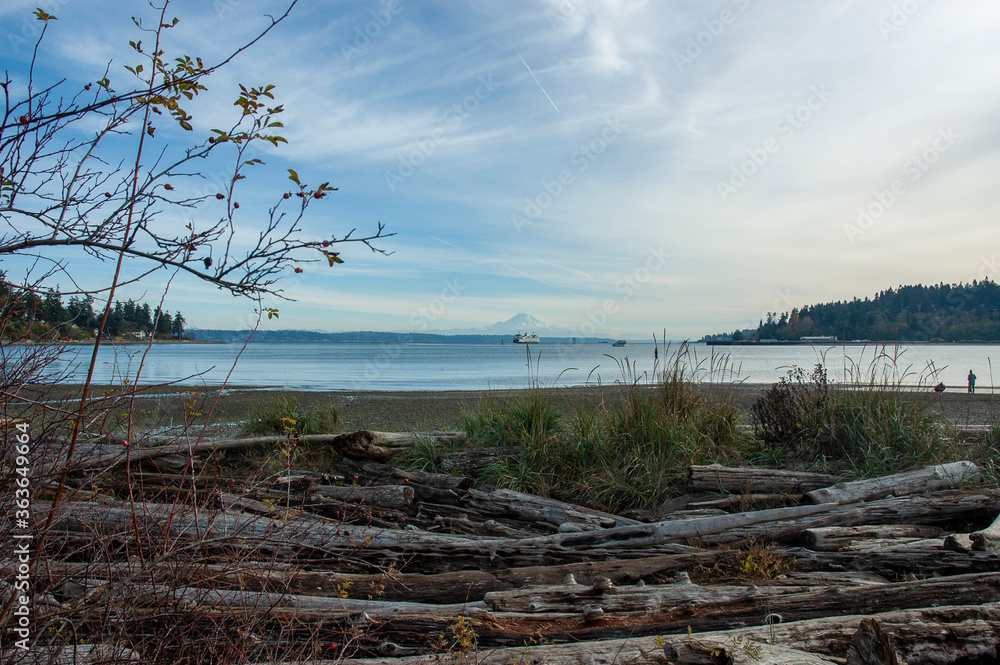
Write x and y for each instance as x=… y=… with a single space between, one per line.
x=531 y=508
x=928 y=479
x=363 y=444
x=834 y=538
x=736 y=652
x=730 y=480
x=929 y=635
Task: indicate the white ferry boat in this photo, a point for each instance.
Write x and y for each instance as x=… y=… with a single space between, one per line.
x=524 y=338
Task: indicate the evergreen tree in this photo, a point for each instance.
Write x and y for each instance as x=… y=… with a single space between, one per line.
x=177 y=328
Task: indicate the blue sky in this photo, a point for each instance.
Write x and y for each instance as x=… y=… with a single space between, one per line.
x=621 y=166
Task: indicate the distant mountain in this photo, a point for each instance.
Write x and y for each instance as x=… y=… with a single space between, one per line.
x=519 y=323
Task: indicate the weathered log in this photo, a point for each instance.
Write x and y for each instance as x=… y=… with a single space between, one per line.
x=752 y=609
x=381 y=446
x=80 y=654
x=386 y=496
x=958 y=542
x=641 y=598
x=744 y=502
x=930 y=635
x=927 y=479
x=894 y=565
x=285 y=604
x=363 y=444
x=988 y=539
x=834 y=538
x=531 y=508
x=932 y=508
x=730 y=480
x=456 y=587
x=736 y=651
x=871 y=646
x=376 y=470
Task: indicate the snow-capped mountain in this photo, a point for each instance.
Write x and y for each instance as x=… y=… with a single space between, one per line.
x=519 y=323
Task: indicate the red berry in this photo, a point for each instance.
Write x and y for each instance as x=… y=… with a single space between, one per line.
x=326 y=243
x=86 y=87
x=125 y=443
x=107 y=195
x=211 y=139
x=24 y=119
x=318 y=195
x=301 y=195
x=236 y=205
x=220 y=196
x=298 y=270
x=168 y=187
x=286 y=195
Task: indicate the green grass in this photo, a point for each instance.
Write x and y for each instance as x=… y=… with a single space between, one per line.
x=285 y=415
x=633 y=454
x=870 y=427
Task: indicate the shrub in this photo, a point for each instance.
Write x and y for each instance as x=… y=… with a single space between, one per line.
x=864 y=429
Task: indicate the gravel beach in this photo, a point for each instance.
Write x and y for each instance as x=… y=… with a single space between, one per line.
x=420 y=411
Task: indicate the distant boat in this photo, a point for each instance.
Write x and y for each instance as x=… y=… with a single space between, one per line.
x=620 y=342
x=524 y=338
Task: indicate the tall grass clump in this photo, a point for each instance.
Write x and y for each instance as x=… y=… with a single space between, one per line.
x=870 y=426
x=629 y=454
x=512 y=420
x=680 y=417
x=285 y=415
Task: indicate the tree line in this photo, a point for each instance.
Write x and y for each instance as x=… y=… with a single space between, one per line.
x=936 y=313
x=33 y=314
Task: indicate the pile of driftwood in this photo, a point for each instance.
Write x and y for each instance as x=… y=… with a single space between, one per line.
x=385 y=566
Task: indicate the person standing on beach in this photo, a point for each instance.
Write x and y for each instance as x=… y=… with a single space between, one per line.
x=972 y=382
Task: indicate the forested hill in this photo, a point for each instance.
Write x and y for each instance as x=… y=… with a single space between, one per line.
x=937 y=313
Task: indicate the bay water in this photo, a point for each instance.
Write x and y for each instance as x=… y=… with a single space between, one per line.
x=455 y=366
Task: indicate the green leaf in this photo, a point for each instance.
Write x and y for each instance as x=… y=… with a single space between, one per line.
x=294 y=177
x=42 y=15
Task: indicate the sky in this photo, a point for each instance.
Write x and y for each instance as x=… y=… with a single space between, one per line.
x=616 y=167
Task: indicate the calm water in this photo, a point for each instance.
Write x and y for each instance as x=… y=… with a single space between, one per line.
x=351 y=367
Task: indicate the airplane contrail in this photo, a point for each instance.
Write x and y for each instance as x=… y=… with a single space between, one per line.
x=536 y=79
